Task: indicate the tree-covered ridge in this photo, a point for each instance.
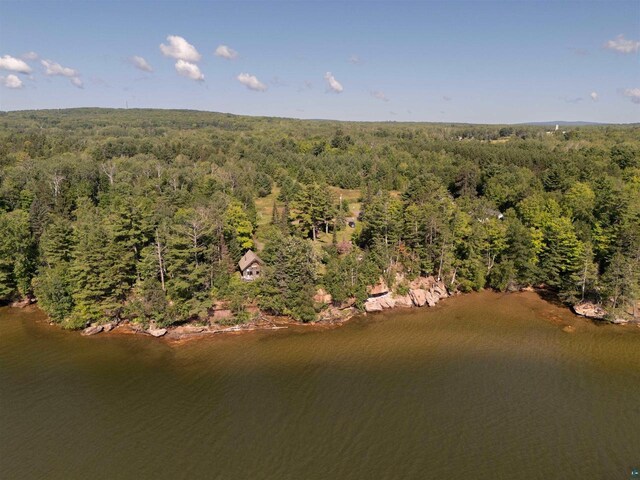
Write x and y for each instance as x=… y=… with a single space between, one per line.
x=143 y=214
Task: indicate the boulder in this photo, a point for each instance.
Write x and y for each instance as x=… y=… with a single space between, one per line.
x=157 y=332
x=620 y=321
x=387 y=301
x=403 y=301
x=431 y=298
x=107 y=327
x=589 y=310
x=92 y=330
x=418 y=297
x=372 y=305
x=441 y=290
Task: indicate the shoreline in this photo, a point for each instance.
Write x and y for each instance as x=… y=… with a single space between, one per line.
x=427 y=293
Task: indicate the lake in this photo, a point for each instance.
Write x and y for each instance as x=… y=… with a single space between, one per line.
x=483 y=386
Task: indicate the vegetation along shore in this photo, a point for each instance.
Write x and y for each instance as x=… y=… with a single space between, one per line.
x=185 y=221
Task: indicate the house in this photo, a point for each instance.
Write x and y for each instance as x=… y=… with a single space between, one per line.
x=250 y=266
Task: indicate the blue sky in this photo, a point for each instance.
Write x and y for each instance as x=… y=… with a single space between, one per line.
x=480 y=61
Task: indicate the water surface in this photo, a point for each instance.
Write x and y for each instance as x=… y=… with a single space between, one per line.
x=485 y=386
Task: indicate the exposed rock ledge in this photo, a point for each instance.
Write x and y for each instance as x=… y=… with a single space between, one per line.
x=590 y=310
x=424 y=291
x=157 y=332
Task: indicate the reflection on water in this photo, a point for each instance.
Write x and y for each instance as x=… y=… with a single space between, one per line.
x=484 y=386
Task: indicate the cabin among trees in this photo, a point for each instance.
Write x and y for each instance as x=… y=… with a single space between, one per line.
x=250 y=266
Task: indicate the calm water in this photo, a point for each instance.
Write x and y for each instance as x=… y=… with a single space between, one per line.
x=486 y=386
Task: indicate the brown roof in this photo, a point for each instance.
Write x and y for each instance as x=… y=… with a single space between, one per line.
x=247 y=259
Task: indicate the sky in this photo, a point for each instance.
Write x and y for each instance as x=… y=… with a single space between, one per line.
x=474 y=61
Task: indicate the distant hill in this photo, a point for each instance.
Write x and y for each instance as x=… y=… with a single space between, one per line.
x=563 y=123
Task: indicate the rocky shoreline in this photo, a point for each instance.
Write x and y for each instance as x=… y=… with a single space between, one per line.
x=421 y=292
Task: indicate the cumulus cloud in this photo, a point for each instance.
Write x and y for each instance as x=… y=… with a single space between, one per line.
x=594 y=96
x=11 y=81
x=333 y=84
x=180 y=49
x=379 y=95
x=622 y=45
x=189 y=70
x=53 y=69
x=14 y=64
x=30 y=56
x=141 y=64
x=251 y=82
x=633 y=94
x=226 y=52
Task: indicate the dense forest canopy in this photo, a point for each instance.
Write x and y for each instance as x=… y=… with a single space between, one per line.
x=144 y=214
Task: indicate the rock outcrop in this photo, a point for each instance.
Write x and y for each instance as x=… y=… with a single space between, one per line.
x=372 y=305
x=92 y=330
x=418 y=297
x=377 y=304
x=157 y=332
x=422 y=291
x=403 y=301
x=590 y=310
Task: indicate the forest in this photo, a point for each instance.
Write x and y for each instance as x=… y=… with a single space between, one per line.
x=142 y=215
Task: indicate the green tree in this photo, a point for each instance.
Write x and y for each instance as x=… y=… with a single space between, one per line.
x=287 y=286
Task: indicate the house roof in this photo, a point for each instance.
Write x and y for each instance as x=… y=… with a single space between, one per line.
x=247 y=259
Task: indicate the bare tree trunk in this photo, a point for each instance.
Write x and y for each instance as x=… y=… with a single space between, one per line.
x=441 y=262
x=160 y=262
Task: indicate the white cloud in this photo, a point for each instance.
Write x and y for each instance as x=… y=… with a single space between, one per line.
x=189 y=70
x=30 y=56
x=594 y=96
x=355 y=59
x=633 y=94
x=52 y=69
x=379 y=95
x=226 y=52
x=251 y=82
x=180 y=49
x=11 y=81
x=622 y=45
x=332 y=83
x=141 y=64
x=14 y=64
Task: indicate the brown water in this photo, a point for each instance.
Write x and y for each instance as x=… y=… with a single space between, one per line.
x=486 y=386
